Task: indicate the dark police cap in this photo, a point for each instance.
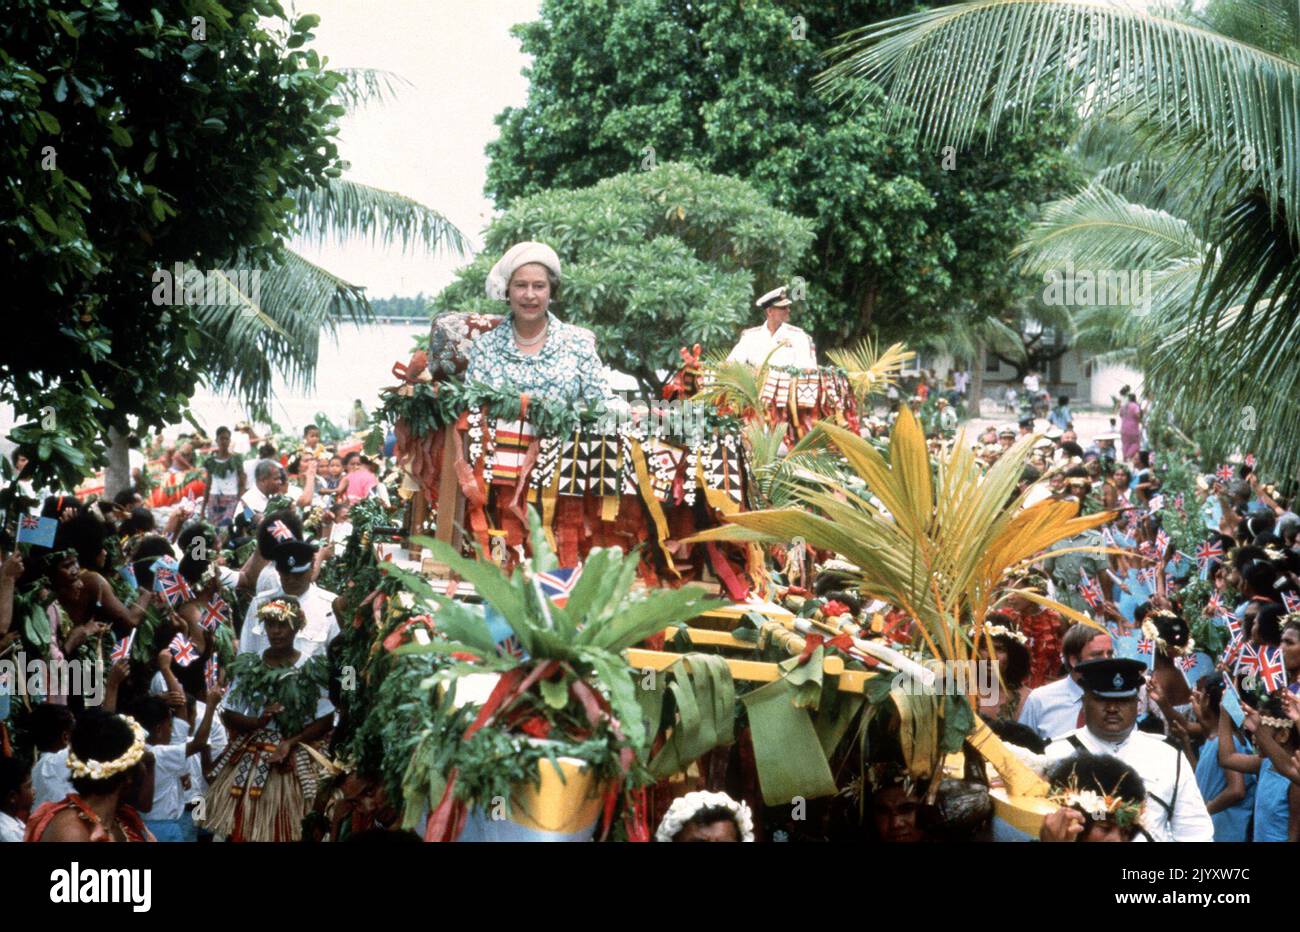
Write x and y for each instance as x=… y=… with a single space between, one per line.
x=1111 y=678
x=294 y=556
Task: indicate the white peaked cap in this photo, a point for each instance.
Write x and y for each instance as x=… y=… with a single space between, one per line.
x=498 y=280
x=777 y=297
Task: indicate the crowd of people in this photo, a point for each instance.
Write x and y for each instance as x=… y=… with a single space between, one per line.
x=1163 y=706
x=210 y=631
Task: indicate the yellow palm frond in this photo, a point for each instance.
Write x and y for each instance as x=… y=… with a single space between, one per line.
x=871 y=372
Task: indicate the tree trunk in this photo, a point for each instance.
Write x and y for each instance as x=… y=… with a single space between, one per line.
x=977 y=382
x=118 y=475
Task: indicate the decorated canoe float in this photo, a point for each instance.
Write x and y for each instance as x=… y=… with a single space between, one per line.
x=585 y=618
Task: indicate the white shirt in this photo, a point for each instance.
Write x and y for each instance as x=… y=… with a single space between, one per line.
x=11 y=829
x=1053 y=710
x=254 y=498
x=135 y=461
x=959 y=380
x=789 y=346
x=51 y=780
x=1157 y=764
x=321 y=627
x=170 y=763
x=1031 y=383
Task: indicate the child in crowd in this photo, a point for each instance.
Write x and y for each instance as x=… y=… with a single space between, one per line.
x=51 y=727
x=15 y=797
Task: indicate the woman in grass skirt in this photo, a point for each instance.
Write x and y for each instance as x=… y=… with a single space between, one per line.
x=265 y=781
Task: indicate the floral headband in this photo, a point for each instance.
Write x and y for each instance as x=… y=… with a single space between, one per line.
x=1152 y=633
x=102 y=770
x=1101 y=807
x=283 y=610
x=685 y=808
x=1002 y=631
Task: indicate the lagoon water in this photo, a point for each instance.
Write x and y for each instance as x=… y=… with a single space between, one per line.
x=357 y=363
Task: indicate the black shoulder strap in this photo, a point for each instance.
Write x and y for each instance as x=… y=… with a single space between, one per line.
x=1078 y=745
x=1173 y=799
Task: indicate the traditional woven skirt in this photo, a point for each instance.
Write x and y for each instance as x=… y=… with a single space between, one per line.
x=251 y=800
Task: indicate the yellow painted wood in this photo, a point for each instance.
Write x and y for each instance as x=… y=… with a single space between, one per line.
x=751 y=671
x=557 y=805
x=1024 y=812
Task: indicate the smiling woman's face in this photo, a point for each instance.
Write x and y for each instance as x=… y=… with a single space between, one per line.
x=530 y=293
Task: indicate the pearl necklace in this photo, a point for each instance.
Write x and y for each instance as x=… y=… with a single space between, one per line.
x=529 y=344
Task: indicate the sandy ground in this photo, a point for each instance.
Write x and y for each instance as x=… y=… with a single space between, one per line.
x=1087 y=422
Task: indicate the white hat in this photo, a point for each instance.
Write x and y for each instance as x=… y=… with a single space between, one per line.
x=1044 y=444
x=1053 y=433
x=777 y=297
x=684 y=808
x=1111 y=437
x=498 y=280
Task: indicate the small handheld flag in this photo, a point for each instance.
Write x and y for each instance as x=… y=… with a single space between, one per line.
x=557 y=585
x=1250 y=460
x=1272 y=672
x=1224 y=472
x=214 y=613
x=1291 y=600
x=1090 y=590
x=38 y=531
x=280 y=531
x=182 y=649
x=122 y=650
x=1210 y=550
x=211 y=672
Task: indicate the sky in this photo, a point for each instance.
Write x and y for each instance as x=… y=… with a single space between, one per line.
x=427 y=144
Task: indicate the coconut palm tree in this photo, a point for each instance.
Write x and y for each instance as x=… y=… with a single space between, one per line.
x=1214 y=92
x=252 y=336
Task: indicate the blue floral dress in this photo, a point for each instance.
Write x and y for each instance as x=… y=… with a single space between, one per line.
x=566 y=370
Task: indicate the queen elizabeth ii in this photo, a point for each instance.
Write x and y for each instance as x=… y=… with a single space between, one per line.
x=532 y=351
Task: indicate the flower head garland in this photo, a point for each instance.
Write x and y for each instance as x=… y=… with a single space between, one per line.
x=1100 y=807
x=283 y=610
x=102 y=770
x=995 y=631
x=1283 y=723
x=685 y=808
x=1151 y=632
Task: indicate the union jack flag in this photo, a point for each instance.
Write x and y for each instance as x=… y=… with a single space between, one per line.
x=557 y=585
x=123 y=649
x=1215 y=605
x=1187 y=662
x=1234 y=626
x=1108 y=537
x=280 y=531
x=1162 y=542
x=1250 y=460
x=1145 y=645
x=211 y=672
x=173 y=587
x=28 y=523
x=1147 y=576
x=1224 y=472
x=1233 y=652
x=1247 y=658
x=1090 y=590
x=510 y=647
x=1272 y=672
x=1210 y=550
x=215 y=612
x=1157 y=502
x=1291 y=600
x=183 y=650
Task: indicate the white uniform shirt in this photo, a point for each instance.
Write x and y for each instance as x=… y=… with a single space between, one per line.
x=1157 y=764
x=789 y=346
x=1053 y=710
x=321 y=627
x=11 y=828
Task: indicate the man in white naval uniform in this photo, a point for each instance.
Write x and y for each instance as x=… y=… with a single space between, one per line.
x=784 y=344
x=1174 y=809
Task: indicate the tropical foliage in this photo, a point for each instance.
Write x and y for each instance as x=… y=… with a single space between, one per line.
x=1193 y=113
x=904 y=231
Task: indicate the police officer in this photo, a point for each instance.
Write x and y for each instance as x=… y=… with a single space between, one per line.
x=1174 y=809
x=776 y=342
